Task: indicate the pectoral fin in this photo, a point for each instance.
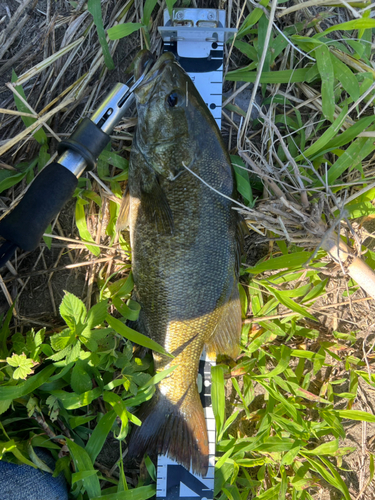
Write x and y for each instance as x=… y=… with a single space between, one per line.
x=123 y=216
x=156 y=207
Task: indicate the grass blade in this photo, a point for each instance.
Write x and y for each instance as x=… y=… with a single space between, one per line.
x=94 y=7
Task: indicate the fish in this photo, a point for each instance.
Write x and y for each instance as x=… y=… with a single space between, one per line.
x=186 y=249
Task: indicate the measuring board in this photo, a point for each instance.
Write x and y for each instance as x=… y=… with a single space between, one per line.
x=196 y=37
x=173 y=480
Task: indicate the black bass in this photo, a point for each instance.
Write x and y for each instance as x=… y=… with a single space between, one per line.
x=185 y=240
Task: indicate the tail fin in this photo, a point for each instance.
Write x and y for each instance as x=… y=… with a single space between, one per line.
x=178 y=431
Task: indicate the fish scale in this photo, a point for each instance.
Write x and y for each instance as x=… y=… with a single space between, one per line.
x=184 y=239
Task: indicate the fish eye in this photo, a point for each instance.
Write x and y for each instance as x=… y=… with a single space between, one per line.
x=172 y=99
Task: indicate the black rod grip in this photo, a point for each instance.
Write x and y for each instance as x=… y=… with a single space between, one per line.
x=44 y=199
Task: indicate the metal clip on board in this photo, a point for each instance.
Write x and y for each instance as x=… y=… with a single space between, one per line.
x=24 y=226
x=196 y=37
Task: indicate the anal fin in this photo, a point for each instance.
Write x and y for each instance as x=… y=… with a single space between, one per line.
x=227 y=335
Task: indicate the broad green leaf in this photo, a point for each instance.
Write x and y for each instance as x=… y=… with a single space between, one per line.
x=72 y=310
x=251 y=19
x=77 y=421
x=61 y=340
x=80 y=378
x=218 y=396
x=79 y=476
x=357 y=24
x=148 y=7
x=140 y=493
x=128 y=311
x=23 y=365
x=170 y=4
x=82 y=226
x=328 y=448
x=246 y=49
x=94 y=7
x=24 y=388
x=122 y=30
x=114 y=159
x=133 y=336
x=284 y=262
x=344 y=75
x=283 y=76
x=97 y=314
x=323 y=60
x=242 y=180
x=363 y=416
x=98 y=437
x=72 y=401
x=83 y=463
x=12 y=180
x=158 y=377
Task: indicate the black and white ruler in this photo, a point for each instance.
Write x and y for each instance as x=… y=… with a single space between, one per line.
x=196 y=37
x=173 y=480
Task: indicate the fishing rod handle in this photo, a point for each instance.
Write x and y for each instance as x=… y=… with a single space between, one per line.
x=50 y=191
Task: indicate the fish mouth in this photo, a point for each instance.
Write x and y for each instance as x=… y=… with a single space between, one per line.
x=151 y=69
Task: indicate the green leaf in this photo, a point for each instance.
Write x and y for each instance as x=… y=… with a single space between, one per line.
x=329 y=134
x=83 y=463
x=288 y=261
x=357 y=24
x=40 y=135
x=97 y=314
x=218 y=396
x=122 y=30
x=114 y=159
x=82 y=226
x=251 y=19
x=140 y=493
x=170 y=4
x=345 y=76
x=246 y=49
x=98 y=437
x=12 y=180
x=80 y=378
x=133 y=336
x=324 y=449
x=323 y=60
x=293 y=306
x=94 y=7
x=353 y=155
x=23 y=364
x=72 y=401
x=148 y=7
x=24 y=388
x=5 y=332
x=242 y=180
x=283 y=76
x=363 y=416
x=61 y=340
x=72 y=310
